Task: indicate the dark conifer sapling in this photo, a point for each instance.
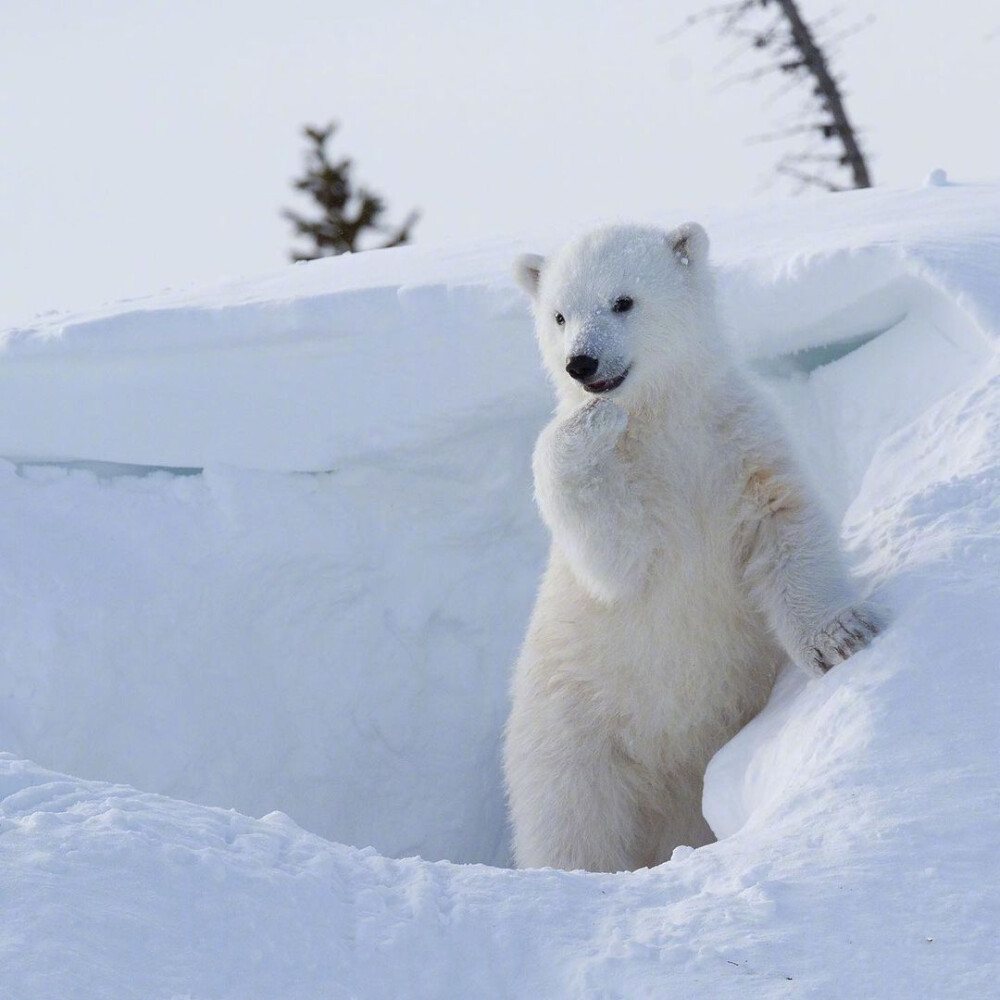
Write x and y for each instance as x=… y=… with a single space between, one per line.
x=347 y=215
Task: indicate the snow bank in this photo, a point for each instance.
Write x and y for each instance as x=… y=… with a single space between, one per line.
x=287 y=373
x=271 y=546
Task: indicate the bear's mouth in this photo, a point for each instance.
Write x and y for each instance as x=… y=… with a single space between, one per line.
x=607 y=384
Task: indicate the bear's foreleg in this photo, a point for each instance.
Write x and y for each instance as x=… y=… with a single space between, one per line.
x=797 y=579
x=588 y=501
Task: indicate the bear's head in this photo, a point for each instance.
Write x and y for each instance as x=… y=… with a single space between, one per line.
x=622 y=310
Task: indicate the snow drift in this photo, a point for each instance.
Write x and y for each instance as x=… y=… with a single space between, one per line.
x=271 y=547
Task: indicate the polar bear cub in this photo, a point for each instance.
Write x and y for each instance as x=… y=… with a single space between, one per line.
x=688 y=559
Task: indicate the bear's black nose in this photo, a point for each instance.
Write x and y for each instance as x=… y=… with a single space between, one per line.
x=581 y=366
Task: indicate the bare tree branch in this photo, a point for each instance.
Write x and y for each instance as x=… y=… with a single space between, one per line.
x=815 y=180
x=790 y=43
x=785 y=133
x=815 y=61
x=830 y=42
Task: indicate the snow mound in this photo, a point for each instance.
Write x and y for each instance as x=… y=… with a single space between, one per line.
x=271 y=546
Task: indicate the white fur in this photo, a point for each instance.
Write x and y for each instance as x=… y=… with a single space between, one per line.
x=688 y=559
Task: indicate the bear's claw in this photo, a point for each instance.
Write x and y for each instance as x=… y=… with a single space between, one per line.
x=848 y=633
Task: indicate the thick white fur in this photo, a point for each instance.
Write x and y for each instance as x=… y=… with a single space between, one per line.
x=688 y=560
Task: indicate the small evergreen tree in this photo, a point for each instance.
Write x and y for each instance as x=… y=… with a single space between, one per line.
x=347 y=215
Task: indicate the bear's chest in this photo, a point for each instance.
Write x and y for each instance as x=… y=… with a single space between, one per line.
x=687 y=483
x=692 y=665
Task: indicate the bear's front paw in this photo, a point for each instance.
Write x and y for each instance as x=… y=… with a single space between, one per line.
x=598 y=422
x=841 y=638
x=574 y=447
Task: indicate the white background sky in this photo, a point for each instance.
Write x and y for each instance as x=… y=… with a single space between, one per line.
x=152 y=144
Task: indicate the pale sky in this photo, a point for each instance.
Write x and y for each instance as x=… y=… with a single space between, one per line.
x=152 y=144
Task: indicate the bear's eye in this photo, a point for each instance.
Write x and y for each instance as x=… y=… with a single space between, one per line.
x=560 y=319
x=622 y=304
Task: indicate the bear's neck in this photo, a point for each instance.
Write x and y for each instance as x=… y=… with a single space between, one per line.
x=690 y=397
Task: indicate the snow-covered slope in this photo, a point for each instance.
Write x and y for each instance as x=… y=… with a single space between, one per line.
x=271 y=546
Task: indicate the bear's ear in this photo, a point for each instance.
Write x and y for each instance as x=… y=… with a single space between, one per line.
x=689 y=243
x=527 y=271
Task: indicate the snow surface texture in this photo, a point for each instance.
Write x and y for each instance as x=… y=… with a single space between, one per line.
x=271 y=546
